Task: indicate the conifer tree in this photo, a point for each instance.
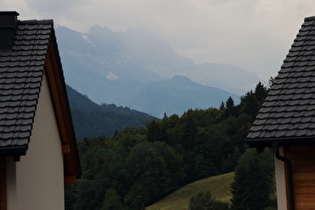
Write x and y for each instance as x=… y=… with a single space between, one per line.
x=189 y=133
x=253 y=181
x=154 y=131
x=230 y=109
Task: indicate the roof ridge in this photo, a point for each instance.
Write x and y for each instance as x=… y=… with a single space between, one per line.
x=311 y=18
x=32 y=22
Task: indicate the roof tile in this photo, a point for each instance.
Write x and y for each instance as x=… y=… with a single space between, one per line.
x=289 y=109
x=21 y=73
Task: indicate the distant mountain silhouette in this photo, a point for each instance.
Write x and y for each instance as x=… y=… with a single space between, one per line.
x=177 y=95
x=122 y=67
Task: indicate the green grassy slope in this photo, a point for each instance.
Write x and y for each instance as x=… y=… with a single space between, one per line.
x=219 y=186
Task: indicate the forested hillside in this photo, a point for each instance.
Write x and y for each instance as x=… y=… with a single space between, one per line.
x=91 y=119
x=138 y=166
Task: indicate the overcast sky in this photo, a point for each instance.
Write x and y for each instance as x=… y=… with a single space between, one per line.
x=252 y=34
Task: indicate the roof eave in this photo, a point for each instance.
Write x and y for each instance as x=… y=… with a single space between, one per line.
x=269 y=142
x=13 y=151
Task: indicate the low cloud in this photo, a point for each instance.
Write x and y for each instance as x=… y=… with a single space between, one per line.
x=252 y=34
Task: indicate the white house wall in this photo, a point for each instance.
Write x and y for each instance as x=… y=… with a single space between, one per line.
x=280 y=182
x=40 y=176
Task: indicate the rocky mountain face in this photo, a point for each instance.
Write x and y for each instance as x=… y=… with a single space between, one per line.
x=140 y=71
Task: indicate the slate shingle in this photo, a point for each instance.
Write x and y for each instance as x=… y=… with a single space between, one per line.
x=288 y=113
x=21 y=74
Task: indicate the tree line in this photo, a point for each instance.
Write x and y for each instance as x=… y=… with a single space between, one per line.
x=138 y=166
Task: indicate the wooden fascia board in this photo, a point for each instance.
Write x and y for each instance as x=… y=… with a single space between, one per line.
x=57 y=94
x=70 y=179
x=62 y=111
x=66 y=149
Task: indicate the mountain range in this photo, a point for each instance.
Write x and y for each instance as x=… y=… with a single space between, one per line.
x=140 y=71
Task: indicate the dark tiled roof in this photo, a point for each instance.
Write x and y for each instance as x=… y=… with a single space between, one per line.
x=21 y=73
x=288 y=113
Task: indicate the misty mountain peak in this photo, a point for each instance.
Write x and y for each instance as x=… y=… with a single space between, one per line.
x=96 y=29
x=106 y=41
x=122 y=65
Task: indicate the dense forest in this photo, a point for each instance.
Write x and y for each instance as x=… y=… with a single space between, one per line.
x=137 y=166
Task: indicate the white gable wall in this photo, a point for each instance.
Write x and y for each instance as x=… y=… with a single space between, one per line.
x=280 y=182
x=39 y=174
